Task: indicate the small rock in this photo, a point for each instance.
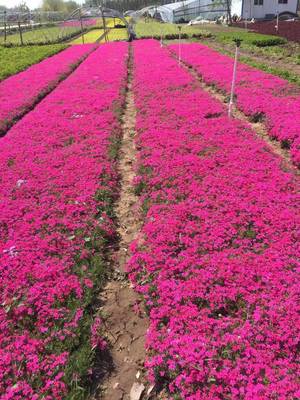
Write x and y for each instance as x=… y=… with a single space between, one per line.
x=116 y=385
x=150 y=390
x=138 y=374
x=136 y=391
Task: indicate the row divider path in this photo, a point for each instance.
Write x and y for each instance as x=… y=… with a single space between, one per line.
x=122 y=311
x=258 y=127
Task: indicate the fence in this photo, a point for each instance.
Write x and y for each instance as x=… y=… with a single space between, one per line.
x=19 y=28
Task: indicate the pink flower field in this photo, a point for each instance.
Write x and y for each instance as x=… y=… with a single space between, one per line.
x=149 y=244
x=259 y=94
x=77 y=23
x=58 y=180
x=217 y=256
x=20 y=92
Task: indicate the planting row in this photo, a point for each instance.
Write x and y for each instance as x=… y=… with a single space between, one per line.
x=17 y=59
x=217 y=256
x=58 y=181
x=258 y=94
x=19 y=93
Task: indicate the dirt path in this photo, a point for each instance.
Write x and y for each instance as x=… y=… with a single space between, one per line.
x=258 y=127
x=122 y=310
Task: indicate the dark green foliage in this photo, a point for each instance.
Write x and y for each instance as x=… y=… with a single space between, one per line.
x=255 y=39
x=16 y=59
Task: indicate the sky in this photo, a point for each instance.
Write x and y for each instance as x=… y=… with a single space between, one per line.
x=31 y=3
x=12 y=3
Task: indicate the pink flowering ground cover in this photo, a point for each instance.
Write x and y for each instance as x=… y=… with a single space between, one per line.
x=20 y=92
x=259 y=94
x=217 y=257
x=77 y=23
x=57 y=183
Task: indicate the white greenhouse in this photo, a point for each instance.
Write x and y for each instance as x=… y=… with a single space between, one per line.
x=185 y=11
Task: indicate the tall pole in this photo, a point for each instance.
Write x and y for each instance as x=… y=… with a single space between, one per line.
x=277 y=21
x=179 y=45
x=5 y=33
x=82 y=33
x=20 y=30
x=104 y=23
x=246 y=21
x=238 y=43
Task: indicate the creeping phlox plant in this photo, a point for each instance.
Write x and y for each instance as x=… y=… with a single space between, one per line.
x=20 y=92
x=217 y=256
x=58 y=182
x=258 y=94
x=77 y=23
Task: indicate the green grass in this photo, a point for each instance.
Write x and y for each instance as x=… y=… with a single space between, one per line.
x=251 y=38
x=155 y=29
x=221 y=34
x=51 y=34
x=281 y=52
x=16 y=59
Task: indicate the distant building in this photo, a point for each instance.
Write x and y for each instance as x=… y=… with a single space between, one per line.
x=262 y=9
x=187 y=10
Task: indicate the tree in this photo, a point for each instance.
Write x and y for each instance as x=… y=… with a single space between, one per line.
x=228 y=2
x=70 y=6
x=53 y=5
x=23 y=7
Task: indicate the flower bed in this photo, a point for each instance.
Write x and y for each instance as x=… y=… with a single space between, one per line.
x=259 y=94
x=19 y=93
x=77 y=23
x=216 y=258
x=58 y=182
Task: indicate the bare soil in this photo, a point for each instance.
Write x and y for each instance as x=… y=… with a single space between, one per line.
x=125 y=319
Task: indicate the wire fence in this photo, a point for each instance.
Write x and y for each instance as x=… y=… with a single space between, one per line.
x=20 y=28
x=28 y=28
